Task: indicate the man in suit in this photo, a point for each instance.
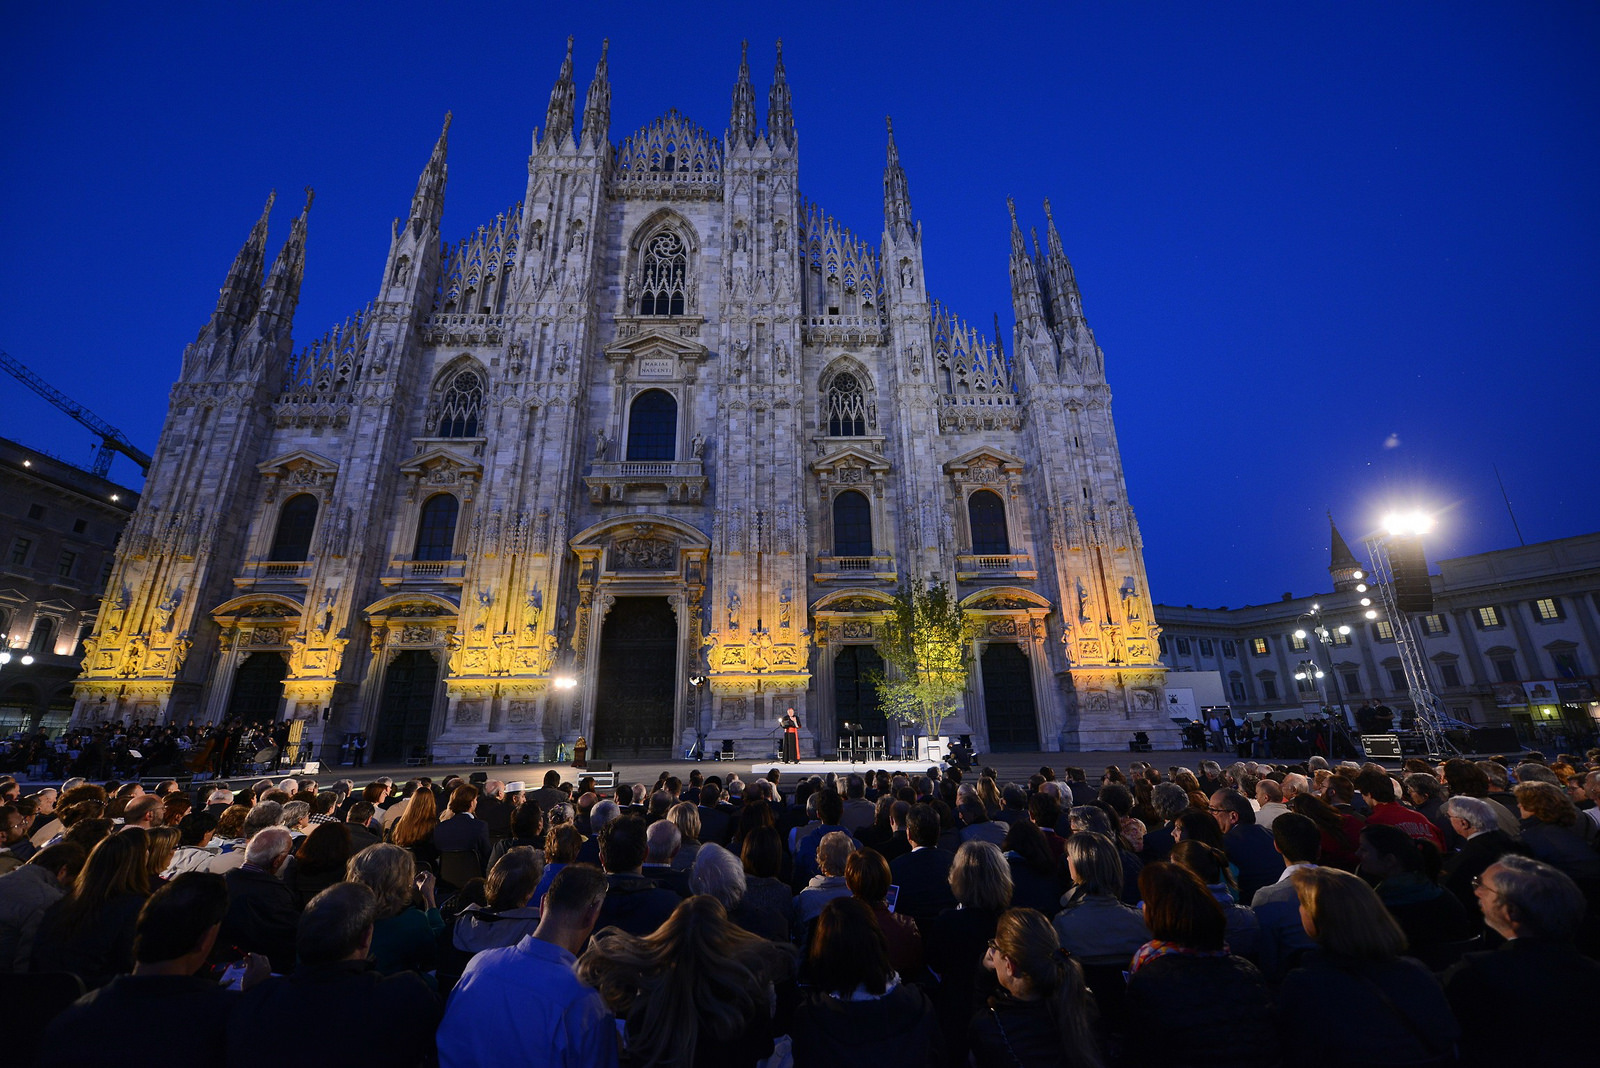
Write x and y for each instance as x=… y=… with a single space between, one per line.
x=464 y=831
x=716 y=819
x=1249 y=845
x=262 y=911
x=1298 y=842
x=1474 y=820
x=634 y=903
x=494 y=810
x=550 y=794
x=662 y=842
x=359 y=822
x=923 y=874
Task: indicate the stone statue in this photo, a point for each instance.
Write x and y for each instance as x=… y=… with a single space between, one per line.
x=697 y=446
x=600 y=444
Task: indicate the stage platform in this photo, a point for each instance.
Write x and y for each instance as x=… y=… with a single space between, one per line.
x=843 y=767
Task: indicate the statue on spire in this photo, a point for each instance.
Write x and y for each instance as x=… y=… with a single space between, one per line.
x=780 y=110
x=427 y=205
x=742 y=123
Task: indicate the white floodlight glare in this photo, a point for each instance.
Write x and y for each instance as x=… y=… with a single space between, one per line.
x=1345 y=629
x=1366 y=602
x=1372 y=613
x=1361 y=587
x=1300 y=635
x=1358 y=575
x=565 y=682
x=1401 y=523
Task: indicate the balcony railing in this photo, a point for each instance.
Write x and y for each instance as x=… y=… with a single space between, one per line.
x=254 y=571
x=448 y=571
x=648 y=469
x=855 y=568
x=982 y=565
x=615 y=481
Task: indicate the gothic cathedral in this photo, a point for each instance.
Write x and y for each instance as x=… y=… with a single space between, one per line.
x=641 y=460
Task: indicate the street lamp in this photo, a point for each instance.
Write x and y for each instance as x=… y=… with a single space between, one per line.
x=24 y=660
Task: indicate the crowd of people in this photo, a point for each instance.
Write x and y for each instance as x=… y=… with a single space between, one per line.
x=1243 y=916
x=144 y=749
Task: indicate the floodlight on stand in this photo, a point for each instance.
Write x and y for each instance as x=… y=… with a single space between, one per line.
x=1366 y=602
x=564 y=682
x=1361 y=587
x=1358 y=574
x=1402 y=523
x=1372 y=613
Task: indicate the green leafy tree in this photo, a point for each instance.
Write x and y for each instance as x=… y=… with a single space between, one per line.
x=928 y=643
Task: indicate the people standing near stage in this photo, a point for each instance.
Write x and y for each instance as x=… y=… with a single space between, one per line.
x=791 y=737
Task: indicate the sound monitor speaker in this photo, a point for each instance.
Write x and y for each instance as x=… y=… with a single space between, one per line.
x=1413 y=589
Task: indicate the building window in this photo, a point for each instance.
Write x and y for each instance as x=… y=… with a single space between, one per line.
x=1299 y=644
x=1489 y=618
x=986 y=515
x=79 y=526
x=1236 y=687
x=44 y=635
x=66 y=565
x=1434 y=623
x=1162 y=641
x=665 y=270
x=19 y=550
x=1505 y=667
x=35 y=511
x=1352 y=682
x=1384 y=629
x=1260 y=647
x=1206 y=648
x=292 y=540
x=1449 y=674
x=1229 y=650
x=461 y=406
x=1566 y=663
x=1397 y=678
x=1305 y=683
x=1183 y=646
x=1269 y=688
x=852 y=525
x=847 y=407
x=1548 y=609
x=653 y=426
x=436 y=528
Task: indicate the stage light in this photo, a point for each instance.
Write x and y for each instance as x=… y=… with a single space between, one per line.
x=1366 y=602
x=1401 y=523
x=1345 y=629
x=1372 y=613
x=1300 y=635
x=565 y=682
x=1359 y=575
x=1361 y=587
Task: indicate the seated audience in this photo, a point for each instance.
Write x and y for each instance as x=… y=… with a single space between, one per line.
x=1093 y=924
x=1042 y=1015
x=408 y=921
x=90 y=931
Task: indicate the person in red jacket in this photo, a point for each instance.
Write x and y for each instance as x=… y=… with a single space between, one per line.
x=1378 y=789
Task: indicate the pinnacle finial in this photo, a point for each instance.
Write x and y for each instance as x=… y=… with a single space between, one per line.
x=272 y=197
x=311 y=194
x=569 y=48
x=1047 y=212
x=605 y=47
x=449 y=117
x=744 y=53
x=1011 y=206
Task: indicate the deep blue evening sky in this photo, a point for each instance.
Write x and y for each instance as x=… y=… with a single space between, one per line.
x=1301 y=230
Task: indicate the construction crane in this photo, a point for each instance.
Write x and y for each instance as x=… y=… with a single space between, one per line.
x=112 y=440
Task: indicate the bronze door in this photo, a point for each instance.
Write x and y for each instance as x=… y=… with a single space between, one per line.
x=633 y=710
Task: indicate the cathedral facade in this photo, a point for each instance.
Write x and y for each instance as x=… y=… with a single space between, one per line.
x=641 y=460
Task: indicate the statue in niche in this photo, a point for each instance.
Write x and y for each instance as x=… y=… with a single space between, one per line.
x=1083 y=603
x=906 y=278
x=733 y=609
x=166 y=608
x=697 y=446
x=180 y=652
x=785 y=601
x=601 y=445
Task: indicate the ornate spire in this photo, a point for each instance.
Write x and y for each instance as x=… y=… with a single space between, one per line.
x=427 y=205
x=282 y=292
x=1059 y=277
x=1343 y=566
x=742 y=123
x=780 y=112
x=1025 y=299
x=896 y=195
x=597 y=102
x=558 y=119
x=242 y=288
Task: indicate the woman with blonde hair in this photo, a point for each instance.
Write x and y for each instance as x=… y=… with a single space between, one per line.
x=161 y=844
x=1043 y=1013
x=1396 y=1008
x=414 y=830
x=408 y=921
x=698 y=991
x=1550 y=829
x=686 y=817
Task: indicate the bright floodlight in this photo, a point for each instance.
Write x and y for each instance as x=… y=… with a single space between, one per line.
x=565 y=682
x=1359 y=575
x=1366 y=602
x=1300 y=634
x=1345 y=629
x=1400 y=523
x=1361 y=587
x=27 y=658
x=1372 y=613
x=5 y=658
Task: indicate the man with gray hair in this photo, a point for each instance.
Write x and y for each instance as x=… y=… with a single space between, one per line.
x=262 y=910
x=601 y=814
x=1474 y=820
x=1537 y=974
x=1295 y=784
x=662 y=840
x=1170 y=801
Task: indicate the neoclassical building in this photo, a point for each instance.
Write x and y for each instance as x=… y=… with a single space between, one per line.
x=663 y=428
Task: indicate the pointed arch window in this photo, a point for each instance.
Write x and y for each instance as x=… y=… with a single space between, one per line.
x=847 y=407
x=460 y=412
x=852 y=524
x=653 y=426
x=436 y=528
x=664 y=277
x=296 y=522
x=986 y=517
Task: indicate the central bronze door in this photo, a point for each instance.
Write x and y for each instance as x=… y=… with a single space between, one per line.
x=633 y=707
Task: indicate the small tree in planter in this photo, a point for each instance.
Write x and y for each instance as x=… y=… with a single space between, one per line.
x=927 y=641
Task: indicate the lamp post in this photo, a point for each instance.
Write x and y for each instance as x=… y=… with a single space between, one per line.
x=1320 y=635
x=25 y=659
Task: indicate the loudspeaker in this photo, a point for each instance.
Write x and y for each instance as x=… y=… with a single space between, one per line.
x=478 y=778
x=1413 y=589
x=599 y=765
x=1493 y=740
